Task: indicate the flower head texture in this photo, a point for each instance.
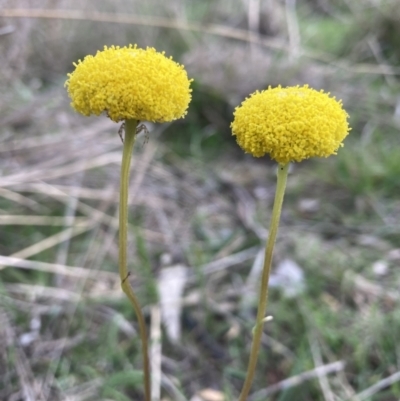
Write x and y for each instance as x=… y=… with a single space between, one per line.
x=130 y=83
x=290 y=124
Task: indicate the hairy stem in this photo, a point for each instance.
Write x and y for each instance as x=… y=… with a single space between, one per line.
x=263 y=298
x=129 y=141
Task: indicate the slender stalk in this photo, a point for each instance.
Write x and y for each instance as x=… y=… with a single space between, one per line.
x=263 y=298
x=129 y=141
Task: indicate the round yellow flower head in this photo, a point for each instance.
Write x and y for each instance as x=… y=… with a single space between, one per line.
x=291 y=124
x=130 y=83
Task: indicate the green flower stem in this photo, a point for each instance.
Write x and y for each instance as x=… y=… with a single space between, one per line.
x=129 y=141
x=262 y=302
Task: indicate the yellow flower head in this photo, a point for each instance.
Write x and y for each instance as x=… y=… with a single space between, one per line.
x=291 y=124
x=130 y=83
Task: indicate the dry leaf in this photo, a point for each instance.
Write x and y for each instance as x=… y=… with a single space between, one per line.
x=289 y=277
x=209 y=394
x=171 y=284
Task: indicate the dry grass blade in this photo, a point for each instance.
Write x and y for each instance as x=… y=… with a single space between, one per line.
x=388 y=381
x=61 y=192
x=57 y=192
x=41 y=220
x=171 y=388
x=22 y=366
x=211 y=29
x=84 y=391
x=141 y=168
x=34 y=292
x=67 y=191
x=51 y=241
x=294 y=381
x=293 y=28
x=155 y=352
x=323 y=381
x=364 y=285
x=85 y=133
x=249 y=294
x=253 y=15
x=72 y=271
x=20 y=199
x=228 y=261
x=72 y=168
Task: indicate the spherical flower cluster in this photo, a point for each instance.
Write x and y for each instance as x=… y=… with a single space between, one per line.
x=290 y=124
x=130 y=83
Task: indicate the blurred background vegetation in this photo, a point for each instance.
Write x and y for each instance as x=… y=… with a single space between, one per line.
x=199 y=208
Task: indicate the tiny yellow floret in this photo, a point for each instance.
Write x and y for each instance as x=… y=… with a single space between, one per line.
x=130 y=83
x=290 y=124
